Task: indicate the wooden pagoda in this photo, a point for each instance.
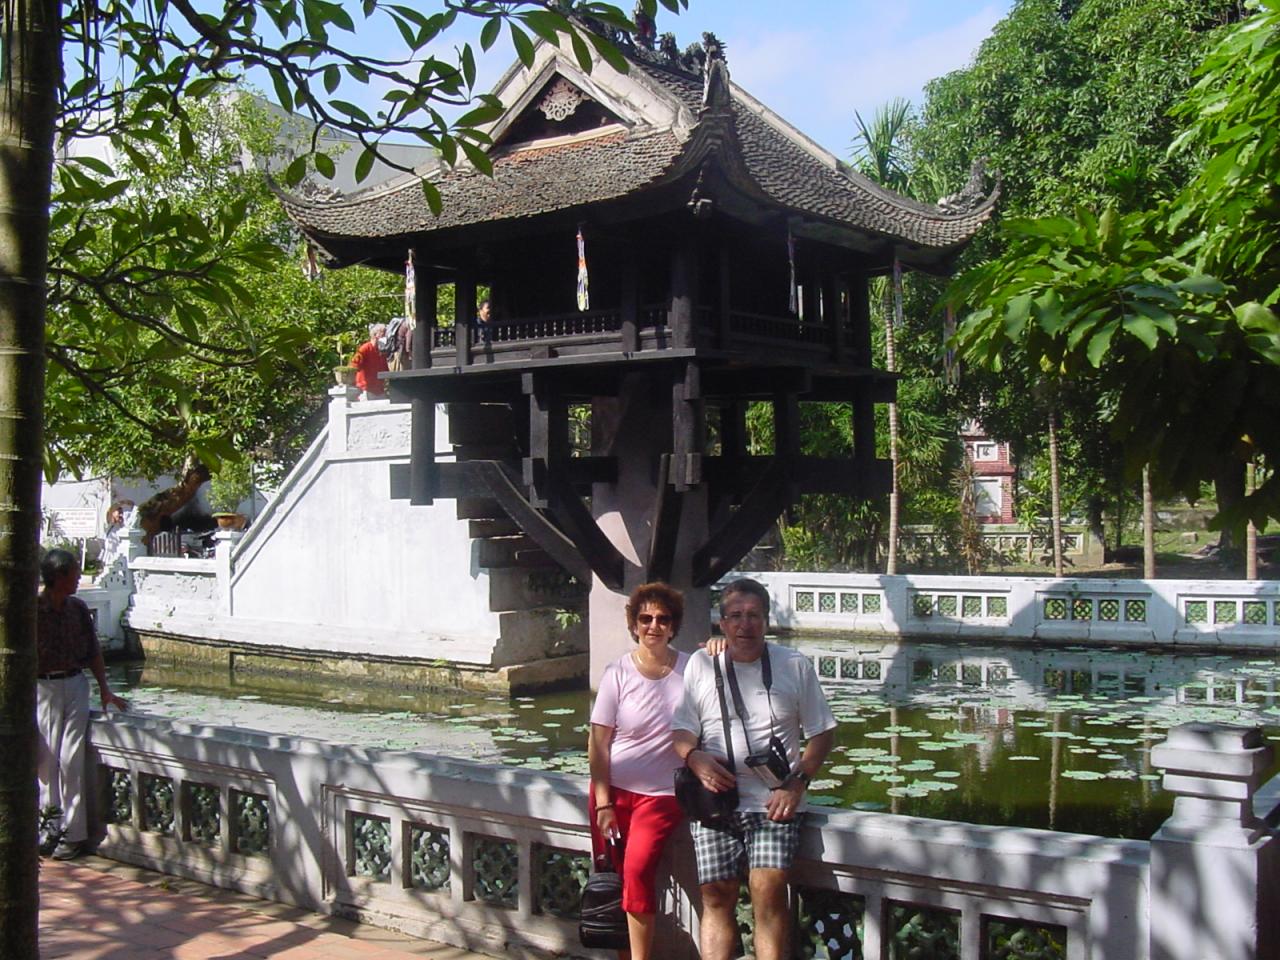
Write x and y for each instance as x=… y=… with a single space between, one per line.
x=728 y=259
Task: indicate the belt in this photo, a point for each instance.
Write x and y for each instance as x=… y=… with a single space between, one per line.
x=59 y=675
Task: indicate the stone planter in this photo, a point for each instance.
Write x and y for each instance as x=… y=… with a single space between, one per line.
x=230 y=521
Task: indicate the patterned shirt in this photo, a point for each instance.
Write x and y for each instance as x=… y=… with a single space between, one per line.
x=65 y=639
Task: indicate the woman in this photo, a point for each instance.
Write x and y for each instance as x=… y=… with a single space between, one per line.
x=632 y=760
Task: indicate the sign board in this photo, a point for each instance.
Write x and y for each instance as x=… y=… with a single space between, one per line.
x=75 y=523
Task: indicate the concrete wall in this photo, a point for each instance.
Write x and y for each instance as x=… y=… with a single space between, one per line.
x=1235 y=614
x=331 y=806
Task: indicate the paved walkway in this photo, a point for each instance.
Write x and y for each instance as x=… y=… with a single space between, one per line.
x=98 y=909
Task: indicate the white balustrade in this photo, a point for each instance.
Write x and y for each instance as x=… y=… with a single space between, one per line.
x=492 y=858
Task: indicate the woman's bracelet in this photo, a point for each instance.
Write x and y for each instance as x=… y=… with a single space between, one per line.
x=603 y=806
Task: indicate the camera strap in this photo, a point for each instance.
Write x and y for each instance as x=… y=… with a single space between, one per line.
x=724 y=707
x=739 y=705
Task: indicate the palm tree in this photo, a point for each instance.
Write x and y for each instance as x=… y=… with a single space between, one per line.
x=880 y=154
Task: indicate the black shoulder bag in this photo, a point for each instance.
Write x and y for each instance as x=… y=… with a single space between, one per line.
x=601 y=922
x=697 y=802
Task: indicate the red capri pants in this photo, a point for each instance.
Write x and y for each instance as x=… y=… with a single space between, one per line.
x=645 y=822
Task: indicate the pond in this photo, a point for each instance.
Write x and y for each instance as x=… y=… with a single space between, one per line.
x=1039 y=737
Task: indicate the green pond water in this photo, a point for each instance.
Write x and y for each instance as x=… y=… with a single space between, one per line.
x=1045 y=737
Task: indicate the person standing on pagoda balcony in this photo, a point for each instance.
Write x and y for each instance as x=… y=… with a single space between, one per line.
x=369 y=362
x=484 y=321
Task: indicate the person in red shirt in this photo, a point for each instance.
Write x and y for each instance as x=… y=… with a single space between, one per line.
x=369 y=362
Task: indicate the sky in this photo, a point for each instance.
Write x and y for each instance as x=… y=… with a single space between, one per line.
x=814 y=62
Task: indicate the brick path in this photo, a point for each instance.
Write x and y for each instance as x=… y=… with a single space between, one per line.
x=97 y=909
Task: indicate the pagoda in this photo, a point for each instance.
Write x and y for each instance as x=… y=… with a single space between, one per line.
x=662 y=250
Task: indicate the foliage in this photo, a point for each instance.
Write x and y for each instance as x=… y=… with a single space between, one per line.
x=1125 y=297
x=145 y=366
x=231 y=485
x=1070 y=106
x=133 y=69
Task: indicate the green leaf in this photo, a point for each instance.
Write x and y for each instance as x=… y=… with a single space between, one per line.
x=581 y=52
x=1254 y=316
x=468 y=66
x=1016 y=314
x=609 y=53
x=520 y=40
x=332 y=77
x=479 y=116
x=432 y=196
x=479 y=159
x=296 y=170
x=364 y=164
x=489 y=33
x=1142 y=328
x=1100 y=342
x=324 y=165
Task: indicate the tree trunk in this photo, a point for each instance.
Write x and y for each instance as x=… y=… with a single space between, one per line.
x=1228 y=487
x=893 y=296
x=1148 y=526
x=1055 y=501
x=30 y=66
x=1251 y=530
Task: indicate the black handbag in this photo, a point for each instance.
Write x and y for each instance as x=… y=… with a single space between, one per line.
x=699 y=803
x=601 y=922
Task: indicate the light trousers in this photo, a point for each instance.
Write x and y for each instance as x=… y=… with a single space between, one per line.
x=62 y=715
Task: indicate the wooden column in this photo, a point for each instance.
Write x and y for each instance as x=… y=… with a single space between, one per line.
x=726 y=290
x=832 y=312
x=688 y=426
x=630 y=300
x=422 y=430
x=864 y=410
x=464 y=309
x=548 y=435
x=684 y=290
x=425 y=305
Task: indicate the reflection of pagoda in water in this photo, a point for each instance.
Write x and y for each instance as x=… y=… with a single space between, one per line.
x=1029 y=678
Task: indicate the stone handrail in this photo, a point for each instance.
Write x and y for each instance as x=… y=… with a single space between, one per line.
x=492 y=858
x=1227 y=613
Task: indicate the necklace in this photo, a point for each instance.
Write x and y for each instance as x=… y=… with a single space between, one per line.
x=653 y=670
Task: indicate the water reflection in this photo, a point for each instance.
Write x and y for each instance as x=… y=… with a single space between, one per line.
x=1045 y=737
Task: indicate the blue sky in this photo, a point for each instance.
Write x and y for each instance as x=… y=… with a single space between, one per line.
x=813 y=61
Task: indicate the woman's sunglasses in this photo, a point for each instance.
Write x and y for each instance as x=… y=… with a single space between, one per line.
x=663 y=619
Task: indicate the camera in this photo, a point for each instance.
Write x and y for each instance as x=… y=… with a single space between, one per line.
x=772 y=766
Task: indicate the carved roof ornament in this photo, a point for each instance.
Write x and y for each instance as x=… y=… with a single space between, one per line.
x=972 y=195
x=560 y=102
x=646 y=28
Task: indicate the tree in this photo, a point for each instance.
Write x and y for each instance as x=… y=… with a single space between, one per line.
x=1070 y=105
x=134 y=66
x=1172 y=308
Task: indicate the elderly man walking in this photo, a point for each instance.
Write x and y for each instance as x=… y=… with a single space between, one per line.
x=776 y=697
x=66 y=645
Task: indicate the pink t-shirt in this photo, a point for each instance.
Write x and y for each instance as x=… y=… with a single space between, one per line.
x=642 y=758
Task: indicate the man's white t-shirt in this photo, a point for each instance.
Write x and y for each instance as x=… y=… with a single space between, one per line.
x=798 y=705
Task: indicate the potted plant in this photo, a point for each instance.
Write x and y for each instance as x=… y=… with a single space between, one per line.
x=228 y=488
x=345 y=344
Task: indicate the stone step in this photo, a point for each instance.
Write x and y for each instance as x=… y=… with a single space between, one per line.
x=499 y=527
x=480 y=508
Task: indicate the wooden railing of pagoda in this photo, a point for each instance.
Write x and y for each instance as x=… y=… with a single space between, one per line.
x=606 y=327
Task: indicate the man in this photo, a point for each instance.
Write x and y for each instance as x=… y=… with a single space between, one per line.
x=484 y=321
x=777 y=698
x=66 y=644
x=369 y=362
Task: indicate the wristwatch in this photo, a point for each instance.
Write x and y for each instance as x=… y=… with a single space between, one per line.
x=798 y=774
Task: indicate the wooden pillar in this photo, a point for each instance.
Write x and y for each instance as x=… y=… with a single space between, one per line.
x=864 y=410
x=688 y=426
x=630 y=300
x=425 y=304
x=548 y=435
x=464 y=308
x=684 y=290
x=832 y=312
x=726 y=290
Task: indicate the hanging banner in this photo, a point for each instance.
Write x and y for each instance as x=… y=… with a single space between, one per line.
x=793 y=293
x=897 y=293
x=584 y=295
x=410 y=292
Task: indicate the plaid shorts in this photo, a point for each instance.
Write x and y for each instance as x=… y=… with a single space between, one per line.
x=762 y=843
